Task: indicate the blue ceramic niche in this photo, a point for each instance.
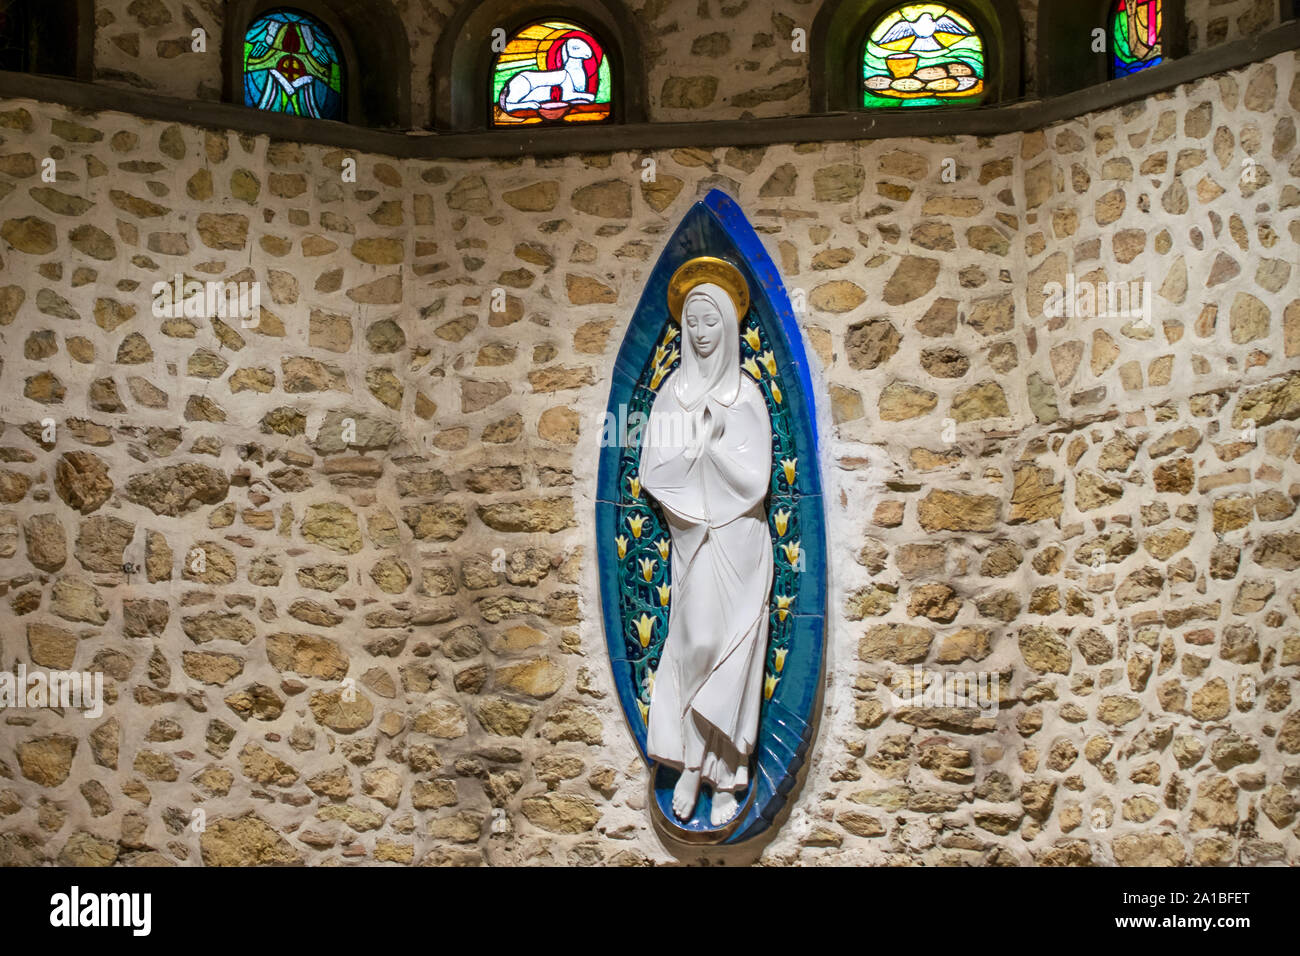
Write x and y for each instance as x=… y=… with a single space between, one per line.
x=630 y=528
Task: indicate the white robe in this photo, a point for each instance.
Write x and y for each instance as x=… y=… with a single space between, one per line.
x=709 y=685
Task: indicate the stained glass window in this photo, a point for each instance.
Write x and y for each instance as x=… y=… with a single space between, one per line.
x=292 y=65
x=551 y=72
x=922 y=54
x=1136 y=36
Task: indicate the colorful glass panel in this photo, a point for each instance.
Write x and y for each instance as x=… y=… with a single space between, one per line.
x=922 y=54
x=292 y=65
x=551 y=72
x=1136 y=36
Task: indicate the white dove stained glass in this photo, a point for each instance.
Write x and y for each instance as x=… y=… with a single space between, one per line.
x=922 y=54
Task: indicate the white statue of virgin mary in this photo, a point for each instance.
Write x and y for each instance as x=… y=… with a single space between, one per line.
x=708 y=462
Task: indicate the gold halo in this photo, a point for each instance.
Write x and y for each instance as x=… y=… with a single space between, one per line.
x=703 y=269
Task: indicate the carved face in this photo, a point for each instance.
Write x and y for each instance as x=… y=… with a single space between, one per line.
x=703 y=324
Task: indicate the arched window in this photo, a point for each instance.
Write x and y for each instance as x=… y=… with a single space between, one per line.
x=923 y=54
x=510 y=64
x=1136 y=35
x=52 y=37
x=882 y=54
x=1087 y=42
x=551 y=71
x=345 y=60
x=292 y=65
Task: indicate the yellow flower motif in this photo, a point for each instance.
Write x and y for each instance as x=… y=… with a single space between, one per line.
x=661 y=366
x=621 y=541
x=650 y=683
x=663 y=545
x=635 y=483
x=782 y=521
x=636 y=523
x=750 y=366
x=769 y=685
x=780 y=659
x=782 y=612
x=660 y=353
x=664 y=590
x=648 y=566
x=645 y=712
x=645 y=626
x=776 y=393
x=671 y=333
x=788 y=466
x=769 y=362
x=751 y=337
x=791 y=552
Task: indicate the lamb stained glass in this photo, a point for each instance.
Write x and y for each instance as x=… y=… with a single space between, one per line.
x=551 y=72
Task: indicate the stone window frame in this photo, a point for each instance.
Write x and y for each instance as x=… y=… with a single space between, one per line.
x=463 y=58
x=1066 y=62
x=373 y=46
x=76 y=21
x=840 y=31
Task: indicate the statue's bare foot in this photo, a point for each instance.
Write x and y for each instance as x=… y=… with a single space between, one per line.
x=724 y=807
x=685 y=794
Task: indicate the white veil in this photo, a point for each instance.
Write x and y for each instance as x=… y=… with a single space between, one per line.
x=718 y=375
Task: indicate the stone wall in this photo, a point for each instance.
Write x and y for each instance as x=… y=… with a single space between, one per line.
x=1212 y=22
x=381 y=643
x=705 y=59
